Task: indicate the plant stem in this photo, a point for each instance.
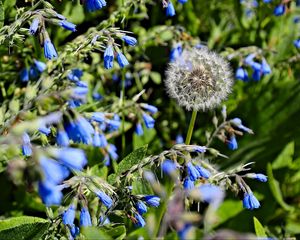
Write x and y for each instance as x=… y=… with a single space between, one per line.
x=123 y=114
x=191 y=128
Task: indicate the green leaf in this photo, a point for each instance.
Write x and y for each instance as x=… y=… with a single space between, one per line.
x=275 y=189
x=156 y=78
x=228 y=210
x=259 y=229
x=1 y=14
x=92 y=233
x=24 y=227
x=146 y=138
x=285 y=158
x=131 y=159
x=115 y=231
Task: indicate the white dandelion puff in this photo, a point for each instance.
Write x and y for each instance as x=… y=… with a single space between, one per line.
x=199 y=79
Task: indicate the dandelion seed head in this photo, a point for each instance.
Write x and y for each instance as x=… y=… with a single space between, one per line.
x=199 y=79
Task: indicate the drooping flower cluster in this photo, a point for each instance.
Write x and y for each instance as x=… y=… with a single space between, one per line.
x=148 y=120
x=37 y=27
x=168 y=5
x=259 y=68
x=111 y=48
x=33 y=72
x=57 y=168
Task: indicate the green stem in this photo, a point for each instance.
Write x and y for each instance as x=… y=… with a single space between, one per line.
x=191 y=128
x=123 y=114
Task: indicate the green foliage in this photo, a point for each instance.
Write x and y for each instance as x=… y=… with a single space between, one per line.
x=24 y=227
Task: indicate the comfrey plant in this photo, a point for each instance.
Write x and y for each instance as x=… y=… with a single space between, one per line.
x=83 y=121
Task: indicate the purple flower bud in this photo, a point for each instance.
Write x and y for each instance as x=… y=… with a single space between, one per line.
x=69 y=215
x=279 y=10
x=129 y=40
x=140 y=222
x=141 y=207
x=68 y=25
x=152 y=200
x=85 y=218
x=105 y=199
x=109 y=57
x=122 y=60
x=232 y=143
x=49 y=50
x=250 y=201
x=34 y=26
x=170 y=11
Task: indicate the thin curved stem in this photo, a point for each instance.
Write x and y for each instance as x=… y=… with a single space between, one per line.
x=191 y=128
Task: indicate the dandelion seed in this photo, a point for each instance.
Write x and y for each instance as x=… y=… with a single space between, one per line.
x=199 y=79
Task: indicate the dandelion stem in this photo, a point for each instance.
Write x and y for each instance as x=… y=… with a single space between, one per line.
x=191 y=128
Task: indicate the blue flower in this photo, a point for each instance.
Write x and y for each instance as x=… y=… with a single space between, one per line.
x=211 y=194
x=192 y=171
x=267 y=1
x=105 y=199
x=238 y=123
x=112 y=150
x=203 y=172
x=103 y=141
x=85 y=218
x=168 y=167
x=183 y=233
x=297 y=43
x=62 y=138
x=141 y=207
x=34 y=26
x=79 y=92
x=249 y=59
x=68 y=25
x=44 y=130
x=69 y=215
x=232 y=143
x=265 y=67
x=279 y=10
x=296 y=19
x=26 y=145
x=250 y=201
x=97 y=96
x=188 y=184
x=73 y=158
x=109 y=57
x=129 y=40
x=33 y=72
x=75 y=75
x=256 y=75
x=182 y=1
x=175 y=52
x=50 y=193
x=96 y=140
x=242 y=74
x=40 y=66
x=104 y=221
x=170 y=11
x=49 y=50
x=93 y=5
x=179 y=139
x=54 y=172
x=260 y=177
x=149 y=121
x=80 y=130
x=152 y=200
x=24 y=75
x=140 y=222
x=98 y=117
x=74 y=231
x=139 y=129
x=122 y=60
x=150 y=108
